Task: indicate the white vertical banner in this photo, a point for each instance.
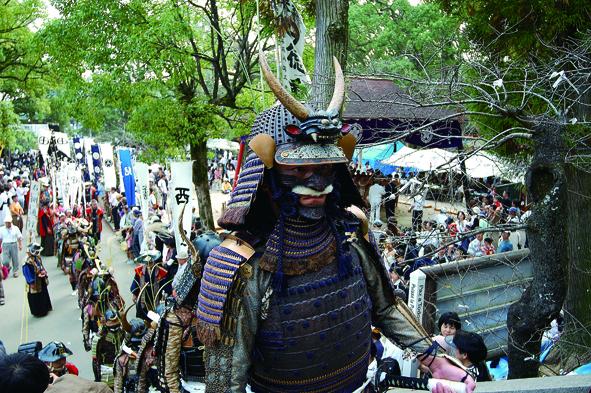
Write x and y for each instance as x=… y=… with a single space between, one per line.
x=121 y=184
x=74 y=178
x=179 y=192
x=33 y=209
x=61 y=140
x=143 y=186
x=109 y=174
x=62 y=186
x=54 y=190
x=416 y=303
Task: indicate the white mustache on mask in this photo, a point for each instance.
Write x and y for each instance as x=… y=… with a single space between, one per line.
x=303 y=190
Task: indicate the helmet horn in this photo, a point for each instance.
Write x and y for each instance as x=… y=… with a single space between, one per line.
x=338 y=96
x=295 y=107
x=124 y=322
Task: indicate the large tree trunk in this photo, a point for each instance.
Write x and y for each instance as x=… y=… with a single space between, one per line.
x=575 y=343
x=332 y=39
x=541 y=302
x=199 y=157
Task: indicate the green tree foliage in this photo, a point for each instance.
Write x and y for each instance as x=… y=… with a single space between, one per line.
x=9 y=124
x=20 y=59
x=545 y=45
x=394 y=37
x=21 y=68
x=175 y=70
x=521 y=28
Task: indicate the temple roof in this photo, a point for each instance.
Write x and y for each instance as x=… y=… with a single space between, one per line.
x=380 y=98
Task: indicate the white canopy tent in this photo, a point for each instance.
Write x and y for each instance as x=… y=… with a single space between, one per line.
x=423 y=159
x=479 y=165
x=222 y=144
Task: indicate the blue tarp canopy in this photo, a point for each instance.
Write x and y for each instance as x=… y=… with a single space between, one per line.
x=376 y=154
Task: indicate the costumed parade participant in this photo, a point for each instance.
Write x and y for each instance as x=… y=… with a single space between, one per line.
x=69 y=247
x=46 y=229
x=37 y=281
x=148 y=281
x=133 y=369
x=100 y=294
x=94 y=214
x=105 y=346
x=175 y=331
x=126 y=366
x=54 y=355
x=58 y=229
x=287 y=300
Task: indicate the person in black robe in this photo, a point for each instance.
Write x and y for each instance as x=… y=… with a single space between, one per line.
x=37 y=281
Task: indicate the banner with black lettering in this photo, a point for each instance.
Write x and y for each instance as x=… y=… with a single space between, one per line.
x=58 y=140
x=143 y=184
x=108 y=164
x=33 y=209
x=181 y=193
x=74 y=176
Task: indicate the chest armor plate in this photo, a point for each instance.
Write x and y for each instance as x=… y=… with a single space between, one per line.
x=317 y=336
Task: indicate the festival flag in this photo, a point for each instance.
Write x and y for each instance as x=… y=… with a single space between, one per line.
x=143 y=183
x=35 y=191
x=292 y=39
x=62 y=143
x=109 y=175
x=62 y=185
x=86 y=144
x=74 y=176
x=79 y=154
x=96 y=161
x=127 y=175
x=181 y=194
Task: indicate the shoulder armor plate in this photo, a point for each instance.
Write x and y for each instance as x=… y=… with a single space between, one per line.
x=220 y=284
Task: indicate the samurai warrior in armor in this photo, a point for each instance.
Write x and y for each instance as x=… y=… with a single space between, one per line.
x=126 y=361
x=179 y=354
x=70 y=244
x=105 y=346
x=148 y=282
x=146 y=372
x=101 y=294
x=288 y=299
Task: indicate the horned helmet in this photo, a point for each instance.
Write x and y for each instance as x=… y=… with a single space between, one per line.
x=293 y=133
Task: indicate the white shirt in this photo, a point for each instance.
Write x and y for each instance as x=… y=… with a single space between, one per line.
x=3 y=207
x=418 y=202
x=21 y=191
x=440 y=219
x=376 y=192
x=10 y=235
x=178 y=274
x=113 y=199
x=475 y=248
x=162 y=186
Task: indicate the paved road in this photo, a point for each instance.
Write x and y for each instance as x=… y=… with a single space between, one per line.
x=63 y=323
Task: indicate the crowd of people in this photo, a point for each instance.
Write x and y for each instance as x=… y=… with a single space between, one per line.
x=72 y=236
x=221 y=172
x=444 y=236
x=117 y=345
